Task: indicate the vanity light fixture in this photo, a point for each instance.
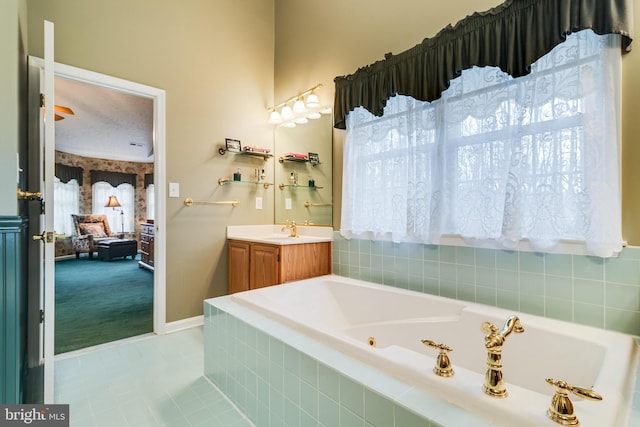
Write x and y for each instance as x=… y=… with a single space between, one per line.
x=304 y=106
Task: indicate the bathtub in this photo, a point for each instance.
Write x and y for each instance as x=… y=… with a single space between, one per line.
x=349 y=315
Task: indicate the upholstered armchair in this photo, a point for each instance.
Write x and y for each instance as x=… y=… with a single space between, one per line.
x=90 y=230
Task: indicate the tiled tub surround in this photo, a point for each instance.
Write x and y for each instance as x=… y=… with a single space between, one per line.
x=280 y=377
x=592 y=291
x=403 y=358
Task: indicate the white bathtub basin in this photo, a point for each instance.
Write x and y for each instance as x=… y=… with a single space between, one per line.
x=344 y=313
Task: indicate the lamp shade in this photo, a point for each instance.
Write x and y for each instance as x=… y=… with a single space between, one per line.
x=274 y=118
x=312 y=100
x=112 y=202
x=286 y=113
x=298 y=106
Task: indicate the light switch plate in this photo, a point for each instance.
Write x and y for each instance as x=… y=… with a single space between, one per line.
x=174 y=189
x=287 y=203
x=258 y=202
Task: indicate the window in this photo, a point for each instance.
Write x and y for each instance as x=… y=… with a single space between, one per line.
x=496 y=161
x=121 y=218
x=151 y=206
x=67 y=202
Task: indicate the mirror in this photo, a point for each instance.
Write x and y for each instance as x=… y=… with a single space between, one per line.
x=296 y=198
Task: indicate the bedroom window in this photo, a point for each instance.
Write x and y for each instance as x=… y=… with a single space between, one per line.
x=67 y=202
x=125 y=193
x=497 y=161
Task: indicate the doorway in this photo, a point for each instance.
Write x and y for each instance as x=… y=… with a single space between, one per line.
x=103 y=201
x=38 y=334
x=159 y=177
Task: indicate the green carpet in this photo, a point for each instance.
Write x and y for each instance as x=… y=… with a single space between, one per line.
x=101 y=301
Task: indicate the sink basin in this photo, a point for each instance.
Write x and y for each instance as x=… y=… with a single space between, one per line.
x=272 y=234
x=285 y=239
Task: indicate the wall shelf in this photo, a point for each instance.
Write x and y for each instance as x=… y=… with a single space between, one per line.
x=283 y=186
x=285 y=159
x=224 y=181
x=264 y=156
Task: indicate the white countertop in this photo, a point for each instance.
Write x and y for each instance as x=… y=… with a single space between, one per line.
x=274 y=235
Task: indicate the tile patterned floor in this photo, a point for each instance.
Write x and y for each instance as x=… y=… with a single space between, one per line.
x=151 y=381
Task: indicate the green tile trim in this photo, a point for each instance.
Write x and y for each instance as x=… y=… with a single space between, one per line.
x=567 y=287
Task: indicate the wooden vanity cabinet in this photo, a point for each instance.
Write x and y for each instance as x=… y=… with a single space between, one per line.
x=256 y=265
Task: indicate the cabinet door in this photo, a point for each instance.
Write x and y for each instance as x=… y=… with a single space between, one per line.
x=238 y=266
x=265 y=263
x=305 y=261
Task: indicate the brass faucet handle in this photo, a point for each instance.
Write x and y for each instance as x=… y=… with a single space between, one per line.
x=442 y=347
x=584 y=393
x=489 y=328
x=561 y=409
x=443 y=363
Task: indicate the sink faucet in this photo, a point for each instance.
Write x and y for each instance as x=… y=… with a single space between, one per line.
x=493 y=341
x=291 y=226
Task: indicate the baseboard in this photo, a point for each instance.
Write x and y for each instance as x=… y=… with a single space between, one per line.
x=183 y=324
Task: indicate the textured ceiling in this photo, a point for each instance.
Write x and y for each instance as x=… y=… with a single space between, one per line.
x=107 y=124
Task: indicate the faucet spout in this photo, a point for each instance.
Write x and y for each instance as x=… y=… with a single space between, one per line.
x=512 y=325
x=493 y=341
x=291 y=226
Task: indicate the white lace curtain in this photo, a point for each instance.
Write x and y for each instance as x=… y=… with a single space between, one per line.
x=67 y=202
x=497 y=160
x=125 y=193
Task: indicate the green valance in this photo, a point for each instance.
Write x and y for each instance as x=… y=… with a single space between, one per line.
x=66 y=173
x=113 y=178
x=510 y=36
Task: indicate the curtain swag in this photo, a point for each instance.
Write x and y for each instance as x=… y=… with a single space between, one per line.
x=511 y=36
x=148 y=179
x=113 y=178
x=66 y=173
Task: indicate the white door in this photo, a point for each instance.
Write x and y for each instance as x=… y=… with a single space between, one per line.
x=48 y=236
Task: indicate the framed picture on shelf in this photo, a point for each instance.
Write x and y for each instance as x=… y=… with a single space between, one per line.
x=314 y=159
x=233 y=145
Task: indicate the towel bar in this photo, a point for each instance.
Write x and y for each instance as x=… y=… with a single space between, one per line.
x=308 y=204
x=190 y=202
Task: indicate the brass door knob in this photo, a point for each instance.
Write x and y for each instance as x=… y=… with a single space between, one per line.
x=48 y=236
x=29 y=195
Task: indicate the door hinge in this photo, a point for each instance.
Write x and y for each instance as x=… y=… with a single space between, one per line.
x=41 y=316
x=42 y=100
x=278 y=258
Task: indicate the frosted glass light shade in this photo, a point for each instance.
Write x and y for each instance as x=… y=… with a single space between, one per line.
x=314 y=115
x=301 y=120
x=274 y=118
x=312 y=100
x=286 y=113
x=298 y=106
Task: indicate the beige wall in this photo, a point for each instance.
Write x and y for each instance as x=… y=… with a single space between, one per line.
x=214 y=59
x=317 y=41
x=10 y=46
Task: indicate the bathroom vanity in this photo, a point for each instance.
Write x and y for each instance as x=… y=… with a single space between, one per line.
x=262 y=256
